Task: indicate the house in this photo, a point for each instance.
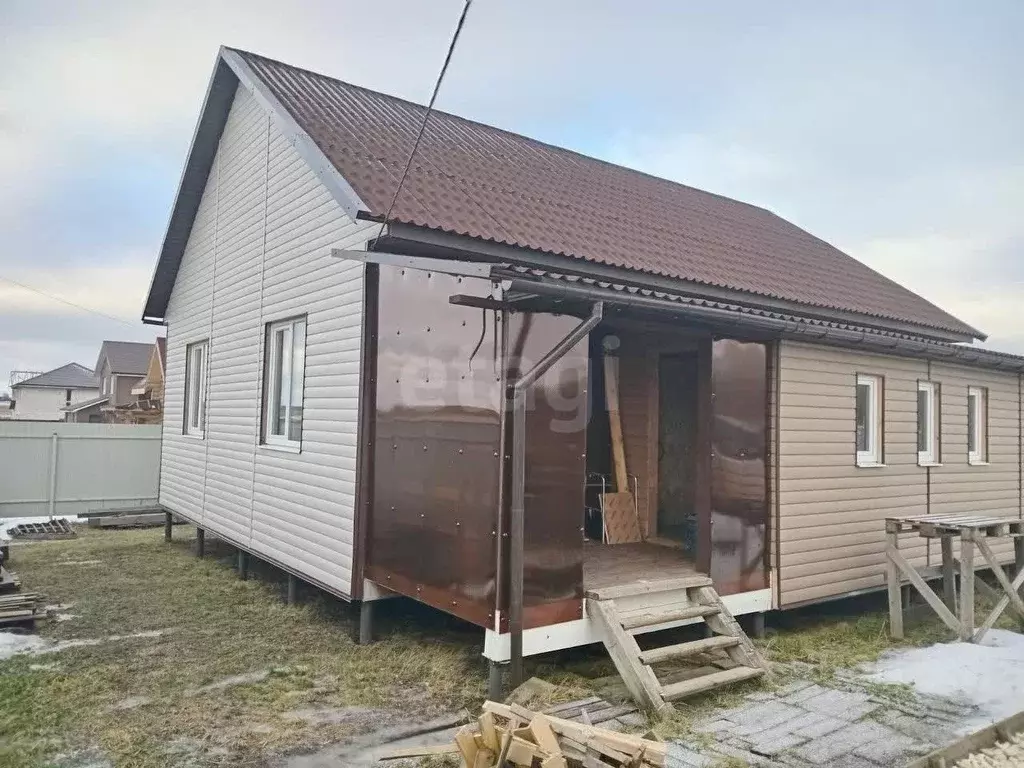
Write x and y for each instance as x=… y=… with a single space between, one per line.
x=416 y=405
x=146 y=406
x=6 y=406
x=44 y=396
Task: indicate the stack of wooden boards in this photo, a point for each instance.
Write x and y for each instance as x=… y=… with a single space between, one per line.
x=21 y=608
x=511 y=735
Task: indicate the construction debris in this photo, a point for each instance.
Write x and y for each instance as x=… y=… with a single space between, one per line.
x=56 y=528
x=9 y=581
x=511 y=735
x=134 y=520
x=21 y=608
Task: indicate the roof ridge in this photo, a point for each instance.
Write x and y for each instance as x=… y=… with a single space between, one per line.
x=521 y=136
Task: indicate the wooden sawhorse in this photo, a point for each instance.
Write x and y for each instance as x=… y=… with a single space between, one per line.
x=974 y=532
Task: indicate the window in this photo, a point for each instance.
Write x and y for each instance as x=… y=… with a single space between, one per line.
x=285 y=357
x=927 y=423
x=196 y=360
x=869 y=420
x=977 y=425
x=67 y=397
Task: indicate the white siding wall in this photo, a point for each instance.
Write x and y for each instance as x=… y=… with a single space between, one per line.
x=260 y=251
x=45 y=403
x=831 y=512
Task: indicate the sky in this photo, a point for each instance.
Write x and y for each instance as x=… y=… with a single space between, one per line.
x=894 y=131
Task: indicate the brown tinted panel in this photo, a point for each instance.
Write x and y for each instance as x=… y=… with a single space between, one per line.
x=739 y=503
x=556 y=438
x=433 y=520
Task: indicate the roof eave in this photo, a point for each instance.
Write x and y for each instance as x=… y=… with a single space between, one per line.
x=230 y=72
x=491 y=250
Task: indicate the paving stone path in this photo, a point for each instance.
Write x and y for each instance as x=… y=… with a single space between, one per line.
x=841 y=725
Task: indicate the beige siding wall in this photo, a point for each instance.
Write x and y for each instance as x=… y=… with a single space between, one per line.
x=831 y=512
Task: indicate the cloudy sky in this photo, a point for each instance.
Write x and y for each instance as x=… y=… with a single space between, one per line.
x=893 y=130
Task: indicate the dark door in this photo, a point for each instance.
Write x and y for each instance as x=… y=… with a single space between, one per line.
x=677 y=445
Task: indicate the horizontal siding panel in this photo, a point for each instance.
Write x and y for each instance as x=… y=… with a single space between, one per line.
x=831 y=512
x=259 y=251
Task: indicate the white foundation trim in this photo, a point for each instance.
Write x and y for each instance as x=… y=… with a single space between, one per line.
x=373 y=591
x=572 y=634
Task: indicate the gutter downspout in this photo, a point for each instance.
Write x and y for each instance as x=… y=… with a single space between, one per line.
x=518 y=506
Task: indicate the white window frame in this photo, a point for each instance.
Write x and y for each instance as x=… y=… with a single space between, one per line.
x=273 y=379
x=873 y=455
x=197 y=363
x=977 y=399
x=929 y=457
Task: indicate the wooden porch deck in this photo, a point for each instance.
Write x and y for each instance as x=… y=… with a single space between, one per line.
x=615 y=565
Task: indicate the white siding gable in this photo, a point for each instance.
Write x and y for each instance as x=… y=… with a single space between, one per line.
x=259 y=251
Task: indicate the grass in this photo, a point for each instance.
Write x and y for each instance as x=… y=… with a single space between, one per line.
x=215 y=626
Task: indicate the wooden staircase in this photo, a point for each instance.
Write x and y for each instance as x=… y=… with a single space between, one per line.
x=620 y=612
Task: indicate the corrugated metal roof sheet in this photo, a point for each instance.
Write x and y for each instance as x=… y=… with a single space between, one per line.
x=483 y=182
x=70 y=376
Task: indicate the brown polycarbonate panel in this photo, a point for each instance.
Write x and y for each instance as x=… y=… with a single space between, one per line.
x=433 y=523
x=556 y=437
x=739 y=448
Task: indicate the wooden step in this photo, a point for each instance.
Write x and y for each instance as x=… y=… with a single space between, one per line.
x=708 y=682
x=682 y=650
x=649 y=587
x=668 y=615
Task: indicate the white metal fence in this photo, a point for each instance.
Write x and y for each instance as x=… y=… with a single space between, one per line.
x=53 y=468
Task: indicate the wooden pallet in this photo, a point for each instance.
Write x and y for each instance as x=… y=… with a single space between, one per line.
x=49 y=529
x=697 y=602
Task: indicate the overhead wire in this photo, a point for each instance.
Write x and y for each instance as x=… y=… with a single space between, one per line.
x=54 y=297
x=426 y=115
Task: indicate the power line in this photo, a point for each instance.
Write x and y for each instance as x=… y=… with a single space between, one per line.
x=426 y=115
x=69 y=303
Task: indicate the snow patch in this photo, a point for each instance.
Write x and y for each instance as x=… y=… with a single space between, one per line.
x=988 y=675
x=14 y=642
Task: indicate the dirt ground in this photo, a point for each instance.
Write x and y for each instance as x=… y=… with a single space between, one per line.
x=165 y=660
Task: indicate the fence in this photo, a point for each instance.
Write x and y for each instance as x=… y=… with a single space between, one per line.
x=53 y=468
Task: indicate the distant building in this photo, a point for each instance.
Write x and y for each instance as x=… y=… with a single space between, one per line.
x=6 y=406
x=46 y=396
x=121 y=365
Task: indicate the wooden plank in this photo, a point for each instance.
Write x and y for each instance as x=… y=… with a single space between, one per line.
x=580 y=734
x=997 y=570
x=648 y=586
x=640 y=680
x=1000 y=606
x=966 y=587
x=892 y=583
x=682 y=650
x=611 y=392
x=467 y=745
x=540 y=726
x=724 y=623
x=667 y=615
x=708 y=682
x=948 y=573
x=488 y=732
x=407 y=752
x=894 y=556
x=975 y=742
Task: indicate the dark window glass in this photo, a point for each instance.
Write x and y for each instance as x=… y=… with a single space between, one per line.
x=972 y=423
x=922 y=420
x=863 y=416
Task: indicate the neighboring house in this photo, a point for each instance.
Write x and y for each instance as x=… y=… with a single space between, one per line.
x=121 y=365
x=146 y=406
x=348 y=416
x=6 y=406
x=44 y=397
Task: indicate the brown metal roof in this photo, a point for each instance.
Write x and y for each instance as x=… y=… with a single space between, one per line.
x=476 y=180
